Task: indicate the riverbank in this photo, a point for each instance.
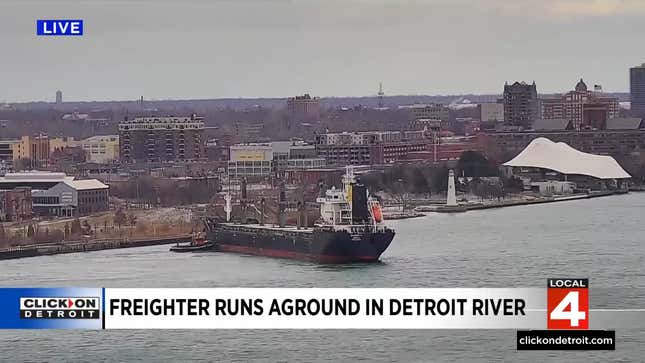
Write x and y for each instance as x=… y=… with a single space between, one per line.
x=45 y=249
x=514 y=202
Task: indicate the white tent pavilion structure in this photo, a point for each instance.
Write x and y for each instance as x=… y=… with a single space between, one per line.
x=562 y=158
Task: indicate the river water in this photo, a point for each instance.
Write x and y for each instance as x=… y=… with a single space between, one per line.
x=602 y=238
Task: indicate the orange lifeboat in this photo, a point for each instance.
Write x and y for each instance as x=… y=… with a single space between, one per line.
x=377 y=213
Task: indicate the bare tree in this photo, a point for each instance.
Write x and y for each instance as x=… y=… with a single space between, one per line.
x=119 y=217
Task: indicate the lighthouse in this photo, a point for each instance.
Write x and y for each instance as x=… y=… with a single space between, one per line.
x=452 y=196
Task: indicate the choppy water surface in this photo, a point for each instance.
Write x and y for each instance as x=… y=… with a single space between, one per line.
x=601 y=238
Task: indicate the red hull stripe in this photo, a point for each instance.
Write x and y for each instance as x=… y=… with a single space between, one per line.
x=294 y=255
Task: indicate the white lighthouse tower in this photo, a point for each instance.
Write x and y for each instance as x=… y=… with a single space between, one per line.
x=227 y=207
x=452 y=196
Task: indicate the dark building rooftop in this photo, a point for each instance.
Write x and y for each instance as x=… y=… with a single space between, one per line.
x=551 y=125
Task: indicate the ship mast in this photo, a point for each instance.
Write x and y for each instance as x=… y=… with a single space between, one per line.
x=282 y=204
x=243 y=200
x=348 y=179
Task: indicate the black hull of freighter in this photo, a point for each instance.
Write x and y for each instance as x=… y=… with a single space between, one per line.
x=317 y=245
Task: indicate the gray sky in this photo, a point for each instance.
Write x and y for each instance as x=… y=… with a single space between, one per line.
x=274 y=48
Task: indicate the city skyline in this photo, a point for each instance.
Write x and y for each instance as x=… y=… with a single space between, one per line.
x=223 y=49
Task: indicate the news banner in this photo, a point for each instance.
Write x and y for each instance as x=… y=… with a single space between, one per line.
x=555 y=318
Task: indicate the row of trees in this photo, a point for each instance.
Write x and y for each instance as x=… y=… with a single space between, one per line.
x=416 y=179
x=482 y=179
x=429 y=179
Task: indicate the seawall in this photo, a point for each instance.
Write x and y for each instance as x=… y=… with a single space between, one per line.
x=86 y=246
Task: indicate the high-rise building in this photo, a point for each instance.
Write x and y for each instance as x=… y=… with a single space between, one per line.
x=520 y=104
x=637 y=90
x=304 y=107
x=582 y=107
x=161 y=139
x=59 y=97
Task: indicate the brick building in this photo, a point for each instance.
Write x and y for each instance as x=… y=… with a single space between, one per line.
x=371 y=147
x=448 y=148
x=584 y=108
x=162 y=139
x=15 y=204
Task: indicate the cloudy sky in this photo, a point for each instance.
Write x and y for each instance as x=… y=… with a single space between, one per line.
x=273 y=48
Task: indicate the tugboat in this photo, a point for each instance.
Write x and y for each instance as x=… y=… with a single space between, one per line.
x=350 y=229
x=198 y=243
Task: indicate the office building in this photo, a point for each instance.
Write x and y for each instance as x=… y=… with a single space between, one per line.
x=371 y=147
x=101 y=149
x=58 y=194
x=263 y=159
x=637 y=90
x=582 y=107
x=520 y=104
x=162 y=139
x=433 y=111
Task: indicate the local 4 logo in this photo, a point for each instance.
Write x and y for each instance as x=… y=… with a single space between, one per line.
x=567 y=304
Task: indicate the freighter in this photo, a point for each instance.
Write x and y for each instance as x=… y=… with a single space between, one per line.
x=350 y=229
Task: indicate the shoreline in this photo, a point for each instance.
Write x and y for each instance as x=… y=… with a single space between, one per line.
x=47 y=249
x=513 y=203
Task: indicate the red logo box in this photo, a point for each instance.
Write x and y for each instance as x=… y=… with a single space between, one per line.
x=567 y=304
